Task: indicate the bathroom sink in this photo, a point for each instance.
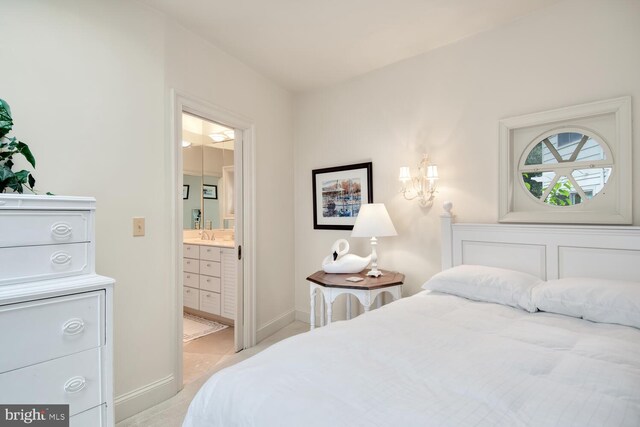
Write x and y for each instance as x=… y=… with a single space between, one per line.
x=217 y=242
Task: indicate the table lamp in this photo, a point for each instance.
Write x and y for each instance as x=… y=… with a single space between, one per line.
x=373 y=221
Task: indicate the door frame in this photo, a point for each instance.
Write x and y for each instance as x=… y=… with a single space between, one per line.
x=245 y=235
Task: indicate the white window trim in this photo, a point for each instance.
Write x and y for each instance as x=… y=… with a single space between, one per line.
x=621 y=108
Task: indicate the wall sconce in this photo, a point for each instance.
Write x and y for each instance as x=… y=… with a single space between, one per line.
x=423 y=186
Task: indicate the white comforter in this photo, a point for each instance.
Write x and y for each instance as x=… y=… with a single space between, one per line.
x=435 y=360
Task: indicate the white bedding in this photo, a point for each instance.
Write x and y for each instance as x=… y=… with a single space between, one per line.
x=435 y=360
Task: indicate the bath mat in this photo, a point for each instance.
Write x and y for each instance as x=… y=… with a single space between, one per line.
x=195 y=327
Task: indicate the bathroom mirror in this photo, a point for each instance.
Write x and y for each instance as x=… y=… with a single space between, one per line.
x=207 y=149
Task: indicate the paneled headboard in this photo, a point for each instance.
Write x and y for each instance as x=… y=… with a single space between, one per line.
x=547 y=251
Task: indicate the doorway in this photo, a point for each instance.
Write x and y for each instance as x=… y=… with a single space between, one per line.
x=213 y=232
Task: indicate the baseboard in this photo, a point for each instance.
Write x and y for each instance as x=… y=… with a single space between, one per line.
x=135 y=401
x=275 y=325
x=302 y=316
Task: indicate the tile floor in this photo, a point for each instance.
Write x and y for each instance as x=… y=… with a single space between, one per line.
x=170 y=413
x=201 y=355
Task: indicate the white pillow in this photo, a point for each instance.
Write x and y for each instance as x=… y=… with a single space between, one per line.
x=490 y=284
x=598 y=300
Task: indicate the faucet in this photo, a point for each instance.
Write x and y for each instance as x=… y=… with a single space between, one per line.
x=205 y=236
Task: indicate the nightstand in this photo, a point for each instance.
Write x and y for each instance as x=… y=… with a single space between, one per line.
x=332 y=285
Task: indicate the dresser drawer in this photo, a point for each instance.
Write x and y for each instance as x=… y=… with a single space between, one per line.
x=191 y=298
x=210 y=283
x=210 y=253
x=191 y=251
x=94 y=417
x=31 y=263
x=210 y=302
x=210 y=268
x=190 y=265
x=190 y=279
x=74 y=380
x=28 y=228
x=37 y=331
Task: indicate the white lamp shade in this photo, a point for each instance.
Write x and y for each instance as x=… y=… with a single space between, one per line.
x=432 y=172
x=405 y=174
x=373 y=221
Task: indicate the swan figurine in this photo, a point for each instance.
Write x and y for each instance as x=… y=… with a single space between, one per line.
x=341 y=261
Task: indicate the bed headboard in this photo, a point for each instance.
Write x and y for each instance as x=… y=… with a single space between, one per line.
x=547 y=251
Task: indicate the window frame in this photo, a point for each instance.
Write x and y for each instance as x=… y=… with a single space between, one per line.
x=618 y=209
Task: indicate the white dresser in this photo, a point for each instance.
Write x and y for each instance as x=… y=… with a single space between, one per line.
x=209 y=279
x=56 y=327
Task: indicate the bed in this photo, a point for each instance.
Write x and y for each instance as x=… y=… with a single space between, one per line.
x=436 y=359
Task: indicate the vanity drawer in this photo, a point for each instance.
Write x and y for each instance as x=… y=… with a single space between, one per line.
x=191 y=279
x=37 y=331
x=191 y=298
x=210 y=302
x=32 y=263
x=94 y=417
x=210 y=253
x=73 y=380
x=210 y=268
x=190 y=265
x=210 y=283
x=28 y=228
x=191 y=251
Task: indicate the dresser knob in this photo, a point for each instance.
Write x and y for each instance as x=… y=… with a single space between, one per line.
x=75 y=384
x=60 y=258
x=73 y=326
x=61 y=231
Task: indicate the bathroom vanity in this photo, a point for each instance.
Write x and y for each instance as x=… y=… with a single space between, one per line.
x=209 y=278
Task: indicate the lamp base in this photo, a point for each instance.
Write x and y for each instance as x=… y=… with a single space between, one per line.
x=374 y=272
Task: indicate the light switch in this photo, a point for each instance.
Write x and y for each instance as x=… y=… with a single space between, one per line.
x=138 y=226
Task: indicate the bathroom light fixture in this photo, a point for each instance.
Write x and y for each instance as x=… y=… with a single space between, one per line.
x=423 y=185
x=218 y=137
x=373 y=221
x=185 y=144
x=223 y=136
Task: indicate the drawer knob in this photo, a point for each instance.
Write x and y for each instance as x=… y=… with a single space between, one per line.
x=61 y=231
x=75 y=384
x=208 y=265
x=208 y=295
x=188 y=276
x=60 y=258
x=73 y=326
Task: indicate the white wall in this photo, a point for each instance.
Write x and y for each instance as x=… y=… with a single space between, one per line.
x=448 y=103
x=88 y=82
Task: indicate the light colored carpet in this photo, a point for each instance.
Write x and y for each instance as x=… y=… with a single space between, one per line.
x=195 y=327
x=171 y=412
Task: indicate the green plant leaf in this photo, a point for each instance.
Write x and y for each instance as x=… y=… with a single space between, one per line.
x=6 y=122
x=26 y=152
x=32 y=181
x=5 y=174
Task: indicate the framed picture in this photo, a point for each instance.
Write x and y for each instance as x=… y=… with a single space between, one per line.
x=338 y=193
x=209 y=191
x=185 y=192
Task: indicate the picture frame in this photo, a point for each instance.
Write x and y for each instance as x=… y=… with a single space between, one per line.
x=338 y=193
x=185 y=192
x=210 y=191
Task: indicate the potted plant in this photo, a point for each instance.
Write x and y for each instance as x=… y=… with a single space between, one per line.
x=10 y=147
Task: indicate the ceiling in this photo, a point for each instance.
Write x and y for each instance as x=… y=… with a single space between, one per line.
x=197 y=131
x=307 y=44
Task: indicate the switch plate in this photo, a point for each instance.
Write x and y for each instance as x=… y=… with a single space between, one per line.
x=138 y=226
